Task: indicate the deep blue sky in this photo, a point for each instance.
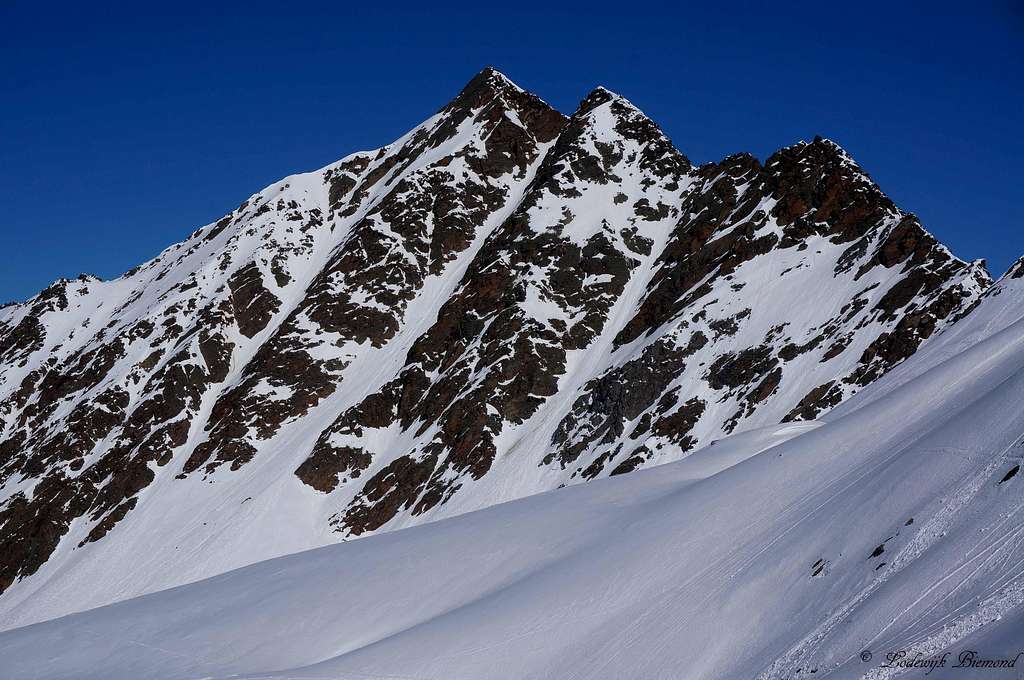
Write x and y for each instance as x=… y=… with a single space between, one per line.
x=122 y=129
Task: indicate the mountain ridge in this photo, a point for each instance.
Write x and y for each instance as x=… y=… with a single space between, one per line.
x=501 y=301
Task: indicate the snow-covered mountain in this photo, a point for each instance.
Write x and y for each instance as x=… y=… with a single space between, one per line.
x=794 y=551
x=502 y=302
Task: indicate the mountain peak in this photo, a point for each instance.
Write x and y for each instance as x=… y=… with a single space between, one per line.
x=491 y=77
x=489 y=73
x=485 y=86
x=491 y=87
x=826 y=146
x=1016 y=270
x=808 y=163
x=599 y=96
x=820 y=149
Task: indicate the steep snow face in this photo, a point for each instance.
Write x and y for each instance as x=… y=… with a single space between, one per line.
x=501 y=302
x=997 y=309
x=782 y=290
x=780 y=552
x=534 y=304
x=145 y=387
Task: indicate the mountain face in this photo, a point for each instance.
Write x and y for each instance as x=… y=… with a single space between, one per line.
x=784 y=552
x=501 y=302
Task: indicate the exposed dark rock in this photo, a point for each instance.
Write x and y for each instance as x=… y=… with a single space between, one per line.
x=396 y=486
x=734 y=370
x=821 y=398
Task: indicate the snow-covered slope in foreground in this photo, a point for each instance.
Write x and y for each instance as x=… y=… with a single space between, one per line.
x=894 y=524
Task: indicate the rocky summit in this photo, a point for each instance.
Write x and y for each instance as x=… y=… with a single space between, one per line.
x=504 y=301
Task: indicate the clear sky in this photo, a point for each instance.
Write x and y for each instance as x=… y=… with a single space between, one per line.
x=122 y=129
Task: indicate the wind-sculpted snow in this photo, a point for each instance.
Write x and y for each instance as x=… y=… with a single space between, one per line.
x=801 y=550
x=501 y=302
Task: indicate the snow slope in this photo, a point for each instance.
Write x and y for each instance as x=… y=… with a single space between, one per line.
x=503 y=301
x=894 y=523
